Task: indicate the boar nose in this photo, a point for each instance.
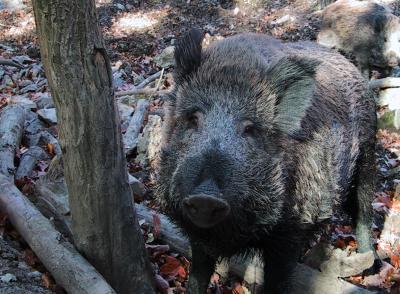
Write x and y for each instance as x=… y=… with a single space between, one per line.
x=204 y=210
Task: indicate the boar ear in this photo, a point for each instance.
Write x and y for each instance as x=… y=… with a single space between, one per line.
x=188 y=54
x=292 y=83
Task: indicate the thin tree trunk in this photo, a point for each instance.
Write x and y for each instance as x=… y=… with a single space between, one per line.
x=104 y=223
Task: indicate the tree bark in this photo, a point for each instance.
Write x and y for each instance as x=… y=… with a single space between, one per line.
x=104 y=225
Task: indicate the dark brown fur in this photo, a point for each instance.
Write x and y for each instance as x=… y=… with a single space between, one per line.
x=311 y=141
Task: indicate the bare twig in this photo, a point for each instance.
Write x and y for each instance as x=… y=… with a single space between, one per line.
x=145 y=91
x=390 y=82
x=149 y=79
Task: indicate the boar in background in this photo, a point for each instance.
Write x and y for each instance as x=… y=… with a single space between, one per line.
x=366 y=29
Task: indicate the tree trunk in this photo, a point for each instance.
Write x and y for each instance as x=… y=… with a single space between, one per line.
x=104 y=223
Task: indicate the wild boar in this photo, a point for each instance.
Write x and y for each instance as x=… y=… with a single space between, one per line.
x=263 y=142
x=366 y=29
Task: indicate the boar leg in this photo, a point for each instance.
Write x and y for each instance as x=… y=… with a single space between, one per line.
x=365 y=194
x=202 y=268
x=279 y=267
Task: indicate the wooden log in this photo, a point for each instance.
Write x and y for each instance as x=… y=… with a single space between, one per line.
x=68 y=267
x=29 y=160
x=132 y=133
x=11 y=125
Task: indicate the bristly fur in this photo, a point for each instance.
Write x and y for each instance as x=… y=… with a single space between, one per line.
x=188 y=54
x=313 y=128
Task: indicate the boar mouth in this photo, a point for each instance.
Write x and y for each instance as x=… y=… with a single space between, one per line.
x=205 y=211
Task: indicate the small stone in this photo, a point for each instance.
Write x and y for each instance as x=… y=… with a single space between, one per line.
x=117 y=79
x=48 y=115
x=23 y=265
x=23 y=101
x=36 y=70
x=44 y=100
x=283 y=19
x=125 y=114
x=120 y=6
x=166 y=57
x=34 y=275
x=8 y=278
x=7 y=82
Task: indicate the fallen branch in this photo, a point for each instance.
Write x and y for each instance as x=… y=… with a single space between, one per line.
x=132 y=133
x=11 y=125
x=8 y=62
x=67 y=266
x=149 y=79
x=385 y=83
x=145 y=91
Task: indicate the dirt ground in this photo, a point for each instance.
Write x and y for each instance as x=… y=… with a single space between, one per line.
x=135 y=32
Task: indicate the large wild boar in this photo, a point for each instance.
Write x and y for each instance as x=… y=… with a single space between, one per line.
x=366 y=29
x=263 y=142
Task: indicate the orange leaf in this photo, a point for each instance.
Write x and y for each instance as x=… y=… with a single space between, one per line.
x=171 y=266
x=47 y=281
x=395 y=260
x=50 y=148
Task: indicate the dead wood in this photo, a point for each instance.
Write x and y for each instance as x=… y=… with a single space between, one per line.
x=11 y=125
x=29 y=160
x=132 y=133
x=67 y=266
x=8 y=62
x=144 y=91
x=390 y=82
x=149 y=79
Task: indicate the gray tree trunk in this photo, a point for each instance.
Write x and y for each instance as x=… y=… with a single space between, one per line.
x=104 y=224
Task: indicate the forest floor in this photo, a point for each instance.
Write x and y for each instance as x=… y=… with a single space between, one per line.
x=136 y=33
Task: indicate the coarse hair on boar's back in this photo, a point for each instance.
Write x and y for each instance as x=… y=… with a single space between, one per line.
x=366 y=29
x=263 y=141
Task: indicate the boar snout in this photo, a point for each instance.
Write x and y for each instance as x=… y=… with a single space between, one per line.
x=204 y=207
x=393 y=59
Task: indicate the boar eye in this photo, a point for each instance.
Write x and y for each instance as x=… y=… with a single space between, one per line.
x=193 y=120
x=249 y=130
